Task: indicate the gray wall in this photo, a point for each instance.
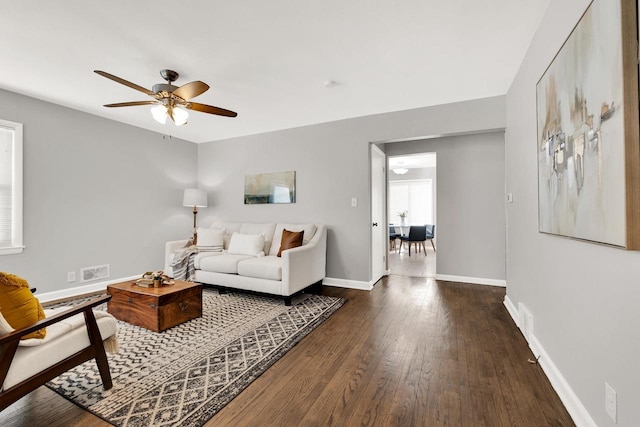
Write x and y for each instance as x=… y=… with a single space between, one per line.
x=95 y=192
x=584 y=297
x=470 y=207
x=332 y=165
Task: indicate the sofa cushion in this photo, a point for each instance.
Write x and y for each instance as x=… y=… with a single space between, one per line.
x=290 y=240
x=18 y=305
x=268 y=267
x=29 y=360
x=201 y=255
x=309 y=232
x=246 y=244
x=211 y=239
x=224 y=263
x=5 y=327
x=266 y=230
x=229 y=228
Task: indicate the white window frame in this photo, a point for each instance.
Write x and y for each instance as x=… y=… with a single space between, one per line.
x=17 y=188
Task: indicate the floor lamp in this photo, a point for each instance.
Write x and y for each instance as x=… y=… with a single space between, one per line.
x=198 y=199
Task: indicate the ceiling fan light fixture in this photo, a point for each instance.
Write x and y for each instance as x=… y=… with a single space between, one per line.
x=180 y=116
x=170 y=100
x=159 y=113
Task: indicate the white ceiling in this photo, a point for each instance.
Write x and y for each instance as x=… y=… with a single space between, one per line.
x=413 y=161
x=266 y=60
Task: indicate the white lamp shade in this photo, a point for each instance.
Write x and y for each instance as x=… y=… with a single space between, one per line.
x=195 y=197
x=180 y=116
x=159 y=113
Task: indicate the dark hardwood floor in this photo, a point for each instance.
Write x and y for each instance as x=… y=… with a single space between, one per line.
x=412 y=352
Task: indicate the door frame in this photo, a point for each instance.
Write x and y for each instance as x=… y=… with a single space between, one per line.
x=378 y=254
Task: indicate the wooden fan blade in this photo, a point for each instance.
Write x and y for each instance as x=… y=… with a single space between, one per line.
x=212 y=110
x=191 y=90
x=131 y=104
x=124 y=82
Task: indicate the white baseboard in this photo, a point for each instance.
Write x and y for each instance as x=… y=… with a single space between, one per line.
x=568 y=397
x=513 y=311
x=80 y=290
x=472 y=280
x=367 y=286
x=350 y=284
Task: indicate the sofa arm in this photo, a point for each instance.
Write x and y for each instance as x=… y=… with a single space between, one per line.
x=305 y=265
x=169 y=249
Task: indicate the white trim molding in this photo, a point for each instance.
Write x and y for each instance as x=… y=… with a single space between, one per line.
x=472 y=280
x=17 y=184
x=350 y=284
x=80 y=290
x=568 y=397
x=513 y=311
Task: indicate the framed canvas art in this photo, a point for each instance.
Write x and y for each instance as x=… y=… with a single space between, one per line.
x=279 y=187
x=587 y=118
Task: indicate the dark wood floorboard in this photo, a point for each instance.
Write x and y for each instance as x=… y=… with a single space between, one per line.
x=412 y=352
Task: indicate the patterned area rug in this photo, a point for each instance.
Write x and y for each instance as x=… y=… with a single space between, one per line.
x=185 y=375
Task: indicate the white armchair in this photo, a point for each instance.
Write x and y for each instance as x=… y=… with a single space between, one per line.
x=23 y=368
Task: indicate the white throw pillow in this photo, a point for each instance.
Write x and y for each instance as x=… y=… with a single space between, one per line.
x=210 y=239
x=246 y=244
x=5 y=327
x=230 y=228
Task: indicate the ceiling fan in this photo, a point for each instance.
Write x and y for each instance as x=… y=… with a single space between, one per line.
x=169 y=100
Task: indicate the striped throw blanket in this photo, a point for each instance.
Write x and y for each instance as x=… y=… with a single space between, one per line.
x=182 y=265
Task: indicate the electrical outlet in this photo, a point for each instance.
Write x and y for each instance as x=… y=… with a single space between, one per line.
x=71 y=276
x=611 y=402
x=510 y=197
x=354 y=202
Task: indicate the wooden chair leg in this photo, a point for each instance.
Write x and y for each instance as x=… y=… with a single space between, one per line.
x=424 y=249
x=98 y=347
x=434 y=246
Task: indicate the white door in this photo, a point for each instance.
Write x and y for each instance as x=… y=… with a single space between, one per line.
x=379 y=230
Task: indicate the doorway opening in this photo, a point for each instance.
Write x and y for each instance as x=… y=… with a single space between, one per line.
x=411 y=203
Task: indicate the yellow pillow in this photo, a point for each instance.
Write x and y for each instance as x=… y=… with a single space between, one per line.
x=18 y=305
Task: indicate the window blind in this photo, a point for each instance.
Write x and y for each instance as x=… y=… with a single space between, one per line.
x=6 y=186
x=414 y=196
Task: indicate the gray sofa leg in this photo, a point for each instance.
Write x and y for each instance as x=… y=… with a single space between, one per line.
x=287 y=301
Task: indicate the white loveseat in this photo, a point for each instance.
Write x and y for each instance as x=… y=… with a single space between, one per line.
x=295 y=270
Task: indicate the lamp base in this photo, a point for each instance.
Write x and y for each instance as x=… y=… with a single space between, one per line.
x=195 y=227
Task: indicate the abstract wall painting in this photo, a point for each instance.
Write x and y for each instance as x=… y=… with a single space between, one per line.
x=587 y=117
x=279 y=187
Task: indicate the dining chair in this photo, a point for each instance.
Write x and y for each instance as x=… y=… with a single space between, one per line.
x=431 y=233
x=393 y=235
x=417 y=235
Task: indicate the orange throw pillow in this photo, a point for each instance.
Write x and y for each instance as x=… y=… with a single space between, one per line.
x=18 y=305
x=290 y=240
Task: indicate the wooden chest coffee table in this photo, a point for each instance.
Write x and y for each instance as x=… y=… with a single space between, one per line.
x=156 y=309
